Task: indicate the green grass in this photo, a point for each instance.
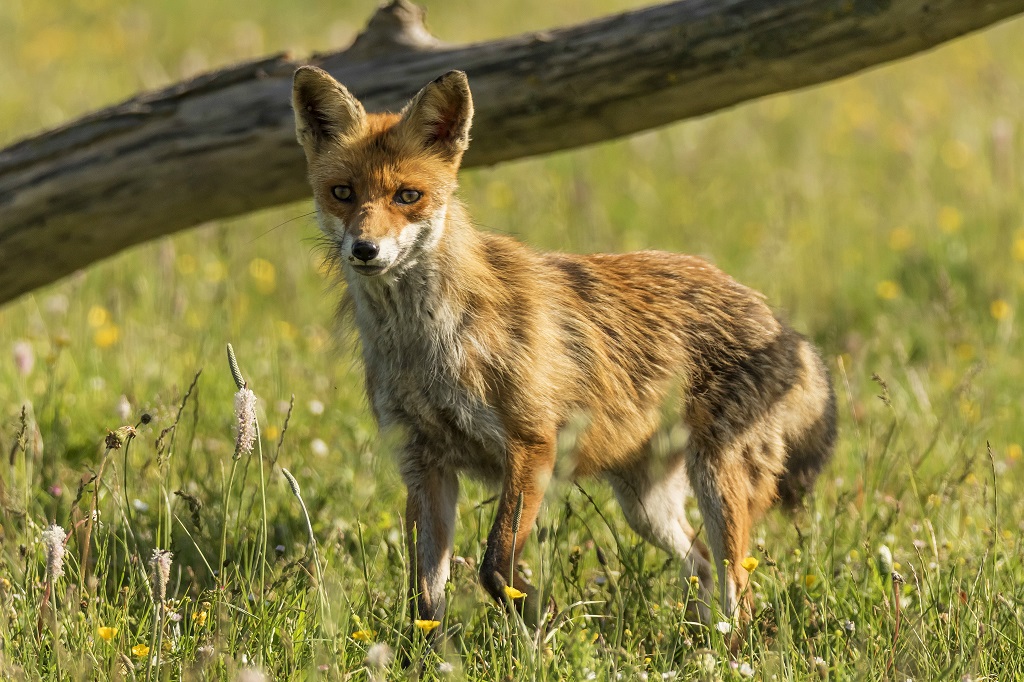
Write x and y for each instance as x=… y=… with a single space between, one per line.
x=882 y=214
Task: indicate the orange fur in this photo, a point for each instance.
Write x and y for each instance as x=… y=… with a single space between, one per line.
x=481 y=350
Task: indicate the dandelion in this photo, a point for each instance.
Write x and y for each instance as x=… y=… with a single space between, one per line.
x=319 y=447
x=124 y=408
x=363 y=635
x=106 y=633
x=161 y=563
x=749 y=564
x=53 y=542
x=379 y=656
x=883 y=557
x=427 y=625
x=513 y=593
x=140 y=650
x=24 y=357
x=245 y=413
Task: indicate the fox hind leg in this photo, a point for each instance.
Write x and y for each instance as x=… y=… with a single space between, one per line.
x=654 y=504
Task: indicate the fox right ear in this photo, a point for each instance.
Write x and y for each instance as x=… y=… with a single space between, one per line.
x=324 y=109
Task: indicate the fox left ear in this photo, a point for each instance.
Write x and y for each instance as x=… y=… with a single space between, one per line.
x=324 y=109
x=440 y=115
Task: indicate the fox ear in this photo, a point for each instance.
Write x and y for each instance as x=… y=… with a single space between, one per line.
x=324 y=109
x=440 y=115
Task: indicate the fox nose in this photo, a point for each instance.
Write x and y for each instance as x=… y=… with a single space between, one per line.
x=365 y=250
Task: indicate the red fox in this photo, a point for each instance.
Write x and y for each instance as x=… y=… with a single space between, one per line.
x=481 y=350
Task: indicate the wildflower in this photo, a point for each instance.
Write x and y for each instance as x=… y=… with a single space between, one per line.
x=746 y=670
x=810 y=580
x=749 y=564
x=140 y=650
x=124 y=408
x=821 y=667
x=316 y=407
x=106 y=633
x=263 y=274
x=445 y=668
x=97 y=316
x=427 y=625
x=53 y=542
x=115 y=440
x=887 y=290
x=161 y=563
x=1000 y=309
x=379 y=656
x=724 y=626
x=245 y=413
x=363 y=635
x=883 y=557
x=319 y=447
x=106 y=336
x=513 y=593
x=949 y=219
x=200 y=617
x=24 y=357
x=251 y=675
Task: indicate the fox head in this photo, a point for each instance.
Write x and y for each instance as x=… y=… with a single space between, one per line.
x=381 y=182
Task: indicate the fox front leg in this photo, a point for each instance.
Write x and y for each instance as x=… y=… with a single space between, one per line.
x=430 y=534
x=526 y=479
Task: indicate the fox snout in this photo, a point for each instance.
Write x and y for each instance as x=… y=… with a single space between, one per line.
x=365 y=250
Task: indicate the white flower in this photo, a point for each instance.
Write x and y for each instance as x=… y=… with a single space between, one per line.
x=316 y=407
x=445 y=668
x=245 y=413
x=319 y=447
x=53 y=543
x=746 y=670
x=124 y=408
x=725 y=627
x=380 y=656
x=24 y=357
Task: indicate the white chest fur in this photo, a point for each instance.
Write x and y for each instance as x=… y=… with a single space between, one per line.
x=413 y=345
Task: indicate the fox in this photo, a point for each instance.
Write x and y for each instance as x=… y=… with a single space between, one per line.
x=479 y=351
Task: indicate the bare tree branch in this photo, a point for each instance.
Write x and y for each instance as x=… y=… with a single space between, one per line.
x=223 y=144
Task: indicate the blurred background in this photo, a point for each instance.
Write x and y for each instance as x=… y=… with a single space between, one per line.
x=883 y=214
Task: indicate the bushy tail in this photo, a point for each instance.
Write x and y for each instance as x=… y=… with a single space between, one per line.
x=809 y=451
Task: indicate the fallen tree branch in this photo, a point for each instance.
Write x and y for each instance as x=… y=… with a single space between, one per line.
x=223 y=144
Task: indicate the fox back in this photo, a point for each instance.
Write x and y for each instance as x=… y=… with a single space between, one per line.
x=677 y=379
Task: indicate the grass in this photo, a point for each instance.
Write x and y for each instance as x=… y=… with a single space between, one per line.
x=881 y=213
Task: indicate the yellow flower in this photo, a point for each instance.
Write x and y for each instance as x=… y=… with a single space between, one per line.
x=427 y=625
x=810 y=580
x=363 y=635
x=263 y=274
x=887 y=290
x=106 y=633
x=1014 y=451
x=98 y=316
x=200 y=617
x=1018 y=249
x=513 y=593
x=901 y=239
x=140 y=650
x=749 y=564
x=950 y=219
x=1000 y=309
x=107 y=336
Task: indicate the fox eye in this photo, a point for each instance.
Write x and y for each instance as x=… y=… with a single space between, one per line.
x=342 y=192
x=408 y=196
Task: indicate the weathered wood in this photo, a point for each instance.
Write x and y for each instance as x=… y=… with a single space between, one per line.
x=223 y=143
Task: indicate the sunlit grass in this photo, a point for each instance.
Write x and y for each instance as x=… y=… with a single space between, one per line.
x=882 y=215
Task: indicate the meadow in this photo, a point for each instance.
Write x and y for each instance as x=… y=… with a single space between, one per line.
x=883 y=215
